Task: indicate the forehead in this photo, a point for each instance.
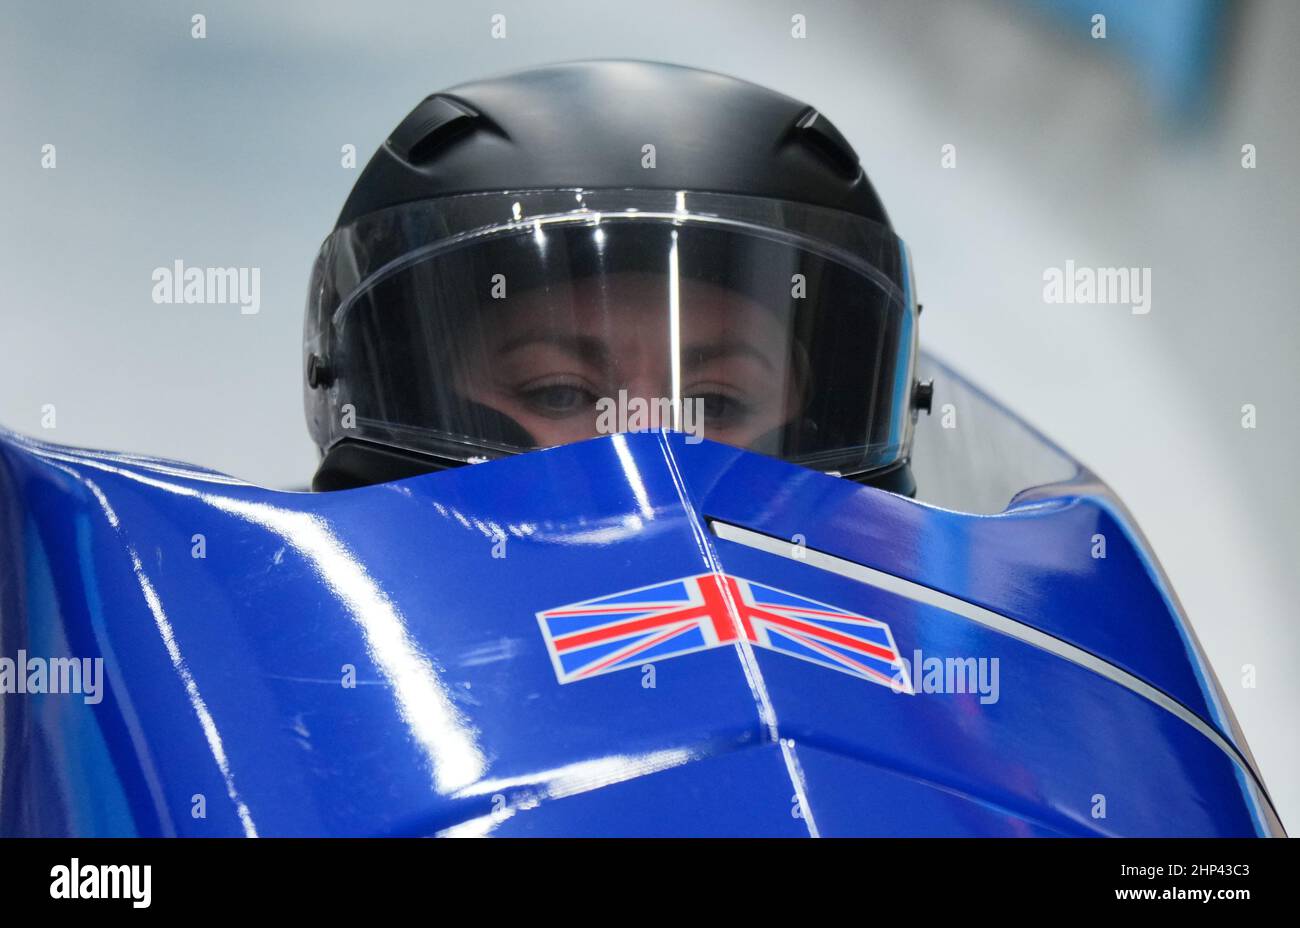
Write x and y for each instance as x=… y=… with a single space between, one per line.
x=635 y=301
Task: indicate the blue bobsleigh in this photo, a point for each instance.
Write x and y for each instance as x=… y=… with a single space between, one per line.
x=632 y=635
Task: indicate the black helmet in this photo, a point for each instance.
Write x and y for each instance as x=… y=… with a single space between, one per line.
x=605 y=246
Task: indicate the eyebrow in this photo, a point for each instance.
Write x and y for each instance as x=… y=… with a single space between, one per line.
x=584 y=347
x=698 y=355
x=594 y=351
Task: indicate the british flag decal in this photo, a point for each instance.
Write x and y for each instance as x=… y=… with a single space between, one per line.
x=670 y=619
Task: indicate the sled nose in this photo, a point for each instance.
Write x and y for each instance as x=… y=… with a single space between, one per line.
x=569 y=641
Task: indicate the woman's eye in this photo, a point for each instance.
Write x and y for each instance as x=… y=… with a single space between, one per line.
x=559 y=399
x=719 y=407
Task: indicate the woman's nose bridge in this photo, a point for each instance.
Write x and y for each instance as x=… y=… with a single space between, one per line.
x=644 y=367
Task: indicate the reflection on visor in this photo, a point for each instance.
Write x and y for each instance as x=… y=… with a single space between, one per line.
x=550 y=334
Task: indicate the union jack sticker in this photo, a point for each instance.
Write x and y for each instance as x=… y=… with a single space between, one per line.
x=665 y=620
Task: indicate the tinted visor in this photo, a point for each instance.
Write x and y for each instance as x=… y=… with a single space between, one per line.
x=570 y=325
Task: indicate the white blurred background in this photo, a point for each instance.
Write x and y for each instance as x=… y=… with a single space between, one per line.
x=226 y=152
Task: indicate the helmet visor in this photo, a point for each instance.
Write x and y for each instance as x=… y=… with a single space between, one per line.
x=726 y=321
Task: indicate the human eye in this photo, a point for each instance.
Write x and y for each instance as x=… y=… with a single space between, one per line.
x=558 y=398
x=722 y=407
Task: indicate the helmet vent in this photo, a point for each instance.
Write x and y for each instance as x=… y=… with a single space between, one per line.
x=817 y=133
x=430 y=127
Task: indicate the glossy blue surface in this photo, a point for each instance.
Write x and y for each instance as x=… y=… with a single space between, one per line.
x=225 y=674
